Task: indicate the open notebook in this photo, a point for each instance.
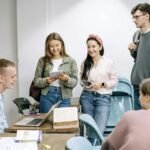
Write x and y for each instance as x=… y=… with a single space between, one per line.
x=32 y=121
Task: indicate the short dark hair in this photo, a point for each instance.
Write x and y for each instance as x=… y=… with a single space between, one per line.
x=4 y=63
x=144 y=7
x=145 y=86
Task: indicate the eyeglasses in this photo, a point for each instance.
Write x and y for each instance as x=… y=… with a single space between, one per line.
x=137 y=16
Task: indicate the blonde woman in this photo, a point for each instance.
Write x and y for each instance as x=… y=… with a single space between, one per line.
x=57 y=87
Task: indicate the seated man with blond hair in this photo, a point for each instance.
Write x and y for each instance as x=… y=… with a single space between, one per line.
x=7 y=80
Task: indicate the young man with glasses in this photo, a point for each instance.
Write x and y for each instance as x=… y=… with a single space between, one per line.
x=140 y=48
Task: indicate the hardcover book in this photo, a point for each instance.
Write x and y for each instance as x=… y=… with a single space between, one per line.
x=66 y=117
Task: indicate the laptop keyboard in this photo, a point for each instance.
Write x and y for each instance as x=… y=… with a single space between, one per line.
x=34 y=122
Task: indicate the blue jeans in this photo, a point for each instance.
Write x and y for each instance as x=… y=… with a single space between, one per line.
x=137 y=104
x=96 y=105
x=53 y=96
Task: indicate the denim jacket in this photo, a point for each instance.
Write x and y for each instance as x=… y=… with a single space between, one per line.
x=69 y=67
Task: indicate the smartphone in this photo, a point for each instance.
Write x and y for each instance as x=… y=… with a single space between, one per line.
x=86 y=83
x=55 y=74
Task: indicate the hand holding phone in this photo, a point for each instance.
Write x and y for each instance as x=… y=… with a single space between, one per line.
x=86 y=83
x=55 y=74
x=63 y=77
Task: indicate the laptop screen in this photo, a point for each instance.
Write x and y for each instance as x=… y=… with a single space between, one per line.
x=29 y=121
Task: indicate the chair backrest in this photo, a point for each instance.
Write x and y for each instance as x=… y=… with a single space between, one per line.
x=78 y=143
x=123 y=88
x=121 y=102
x=88 y=121
x=22 y=104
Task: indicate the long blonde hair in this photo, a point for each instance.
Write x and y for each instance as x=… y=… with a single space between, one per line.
x=50 y=37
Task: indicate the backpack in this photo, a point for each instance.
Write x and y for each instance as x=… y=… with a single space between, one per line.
x=136 y=40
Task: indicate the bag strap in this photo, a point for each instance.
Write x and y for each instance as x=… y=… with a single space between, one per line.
x=136 y=40
x=44 y=62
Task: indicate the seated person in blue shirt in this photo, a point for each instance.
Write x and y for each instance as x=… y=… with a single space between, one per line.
x=7 y=80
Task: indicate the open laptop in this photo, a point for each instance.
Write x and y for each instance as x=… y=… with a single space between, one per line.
x=33 y=121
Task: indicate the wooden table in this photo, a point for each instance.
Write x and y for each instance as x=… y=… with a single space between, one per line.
x=46 y=127
x=54 y=141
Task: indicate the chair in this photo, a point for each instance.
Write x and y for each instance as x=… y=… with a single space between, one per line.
x=78 y=143
x=22 y=104
x=89 y=123
x=122 y=100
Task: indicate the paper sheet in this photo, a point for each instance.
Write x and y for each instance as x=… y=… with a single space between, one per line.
x=8 y=143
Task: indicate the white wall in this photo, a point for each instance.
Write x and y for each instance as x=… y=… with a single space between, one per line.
x=32 y=30
x=8 y=49
x=74 y=20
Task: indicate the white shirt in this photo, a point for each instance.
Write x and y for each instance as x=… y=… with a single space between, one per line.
x=3 y=121
x=105 y=72
x=56 y=64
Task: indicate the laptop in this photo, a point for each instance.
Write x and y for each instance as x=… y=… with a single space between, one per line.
x=35 y=121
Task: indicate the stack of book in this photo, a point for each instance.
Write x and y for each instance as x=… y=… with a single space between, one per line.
x=66 y=117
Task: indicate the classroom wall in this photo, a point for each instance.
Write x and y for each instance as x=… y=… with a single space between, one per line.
x=8 y=49
x=74 y=20
x=24 y=25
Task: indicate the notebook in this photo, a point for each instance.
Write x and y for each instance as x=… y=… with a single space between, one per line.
x=33 y=121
